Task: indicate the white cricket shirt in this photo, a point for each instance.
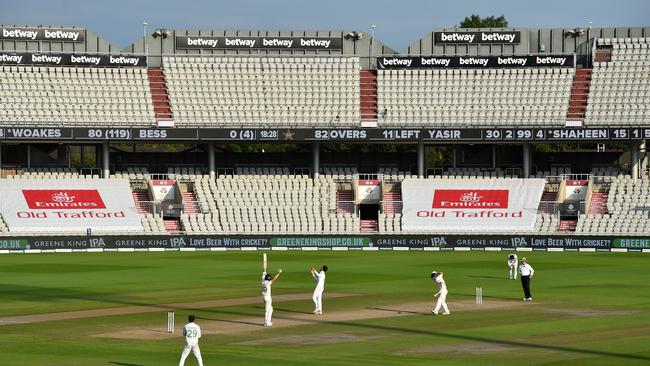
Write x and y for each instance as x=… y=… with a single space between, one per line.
x=192 y=333
x=442 y=286
x=266 y=286
x=526 y=270
x=319 y=277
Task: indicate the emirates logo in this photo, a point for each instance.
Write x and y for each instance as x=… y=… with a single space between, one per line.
x=470 y=197
x=62 y=197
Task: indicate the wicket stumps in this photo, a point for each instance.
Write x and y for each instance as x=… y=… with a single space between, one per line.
x=170 y=322
x=479 y=295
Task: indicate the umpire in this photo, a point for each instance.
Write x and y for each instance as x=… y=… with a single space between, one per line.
x=526 y=272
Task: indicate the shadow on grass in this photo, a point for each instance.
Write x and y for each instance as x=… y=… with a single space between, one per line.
x=124 y=363
x=229 y=321
x=398 y=311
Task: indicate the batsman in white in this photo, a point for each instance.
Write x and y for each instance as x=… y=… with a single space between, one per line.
x=192 y=333
x=512 y=266
x=267 y=282
x=441 y=294
x=319 y=277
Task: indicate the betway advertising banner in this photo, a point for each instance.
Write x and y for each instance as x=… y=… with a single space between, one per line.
x=484 y=37
x=68 y=205
x=43 y=34
x=234 y=42
x=71 y=59
x=470 y=205
x=443 y=62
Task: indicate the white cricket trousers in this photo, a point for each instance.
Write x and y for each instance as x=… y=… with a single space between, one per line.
x=268 y=309
x=513 y=272
x=442 y=302
x=194 y=347
x=318 y=299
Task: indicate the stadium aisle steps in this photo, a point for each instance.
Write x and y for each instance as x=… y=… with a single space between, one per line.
x=598 y=203
x=141 y=199
x=369 y=226
x=173 y=226
x=579 y=94
x=159 y=95
x=368 y=92
x=568 y=225
x=190 y=203
x=344 y=202
x=393 y=201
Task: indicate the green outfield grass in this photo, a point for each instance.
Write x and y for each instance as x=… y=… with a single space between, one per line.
x=589 y=309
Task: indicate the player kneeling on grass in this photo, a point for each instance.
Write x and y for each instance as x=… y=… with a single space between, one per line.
x=192 y=333
x=267 y=282
x=441 y=294
x=319 y=277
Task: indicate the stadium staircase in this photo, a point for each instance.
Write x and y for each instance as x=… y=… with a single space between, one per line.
x=369 y=226
x=344 y=202
x=161 y=105
x=141 y=199
x=579 y=94
x=598 y=202
x=549 y=195
x=173 y=226
x=368 y=90
x=568 y=225
x=393 y=201
x=190 y=203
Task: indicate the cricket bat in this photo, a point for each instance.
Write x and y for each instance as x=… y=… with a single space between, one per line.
x=264 y=261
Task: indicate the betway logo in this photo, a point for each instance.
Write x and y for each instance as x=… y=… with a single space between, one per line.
x=520 y=61
x=238 y=42
x=85 y=60
x=473 y=61
x=433 y=61
x=11 y=58
x=70 y=199
x=275 y=42
x=46 y=59
x=498 y=37
x=470 y=199
x=314 y=42
x=121 y=60
x=551 y=60
x=396 y=62
x=202 y=42
x=457 y=37
x=59 y=34
x=19 y=33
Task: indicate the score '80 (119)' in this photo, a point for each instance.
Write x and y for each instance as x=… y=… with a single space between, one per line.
x=108 y=133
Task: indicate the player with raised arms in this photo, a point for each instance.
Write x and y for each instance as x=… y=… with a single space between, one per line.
x=317 y=297
x=267 y=282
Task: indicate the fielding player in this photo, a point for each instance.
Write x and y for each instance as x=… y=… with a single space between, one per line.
x=512 y=266
x=267 y=282
x=319 y=277
x=441 y=294
x=527 y=273
x=192 y=333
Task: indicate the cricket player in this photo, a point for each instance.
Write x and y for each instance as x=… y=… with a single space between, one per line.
x=192 y=333
x=267 y=282
x=527 y=273
x=441 y=294
x=512 y=266
x=319 y=277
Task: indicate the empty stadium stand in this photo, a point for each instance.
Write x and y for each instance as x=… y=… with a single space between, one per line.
x=620 y=87
x=75 y=96
x=264 y=91
x=490 y=97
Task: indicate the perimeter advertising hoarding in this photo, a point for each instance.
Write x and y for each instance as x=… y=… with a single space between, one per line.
x=485 y=205
x=68 y=205
x=144 y=242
